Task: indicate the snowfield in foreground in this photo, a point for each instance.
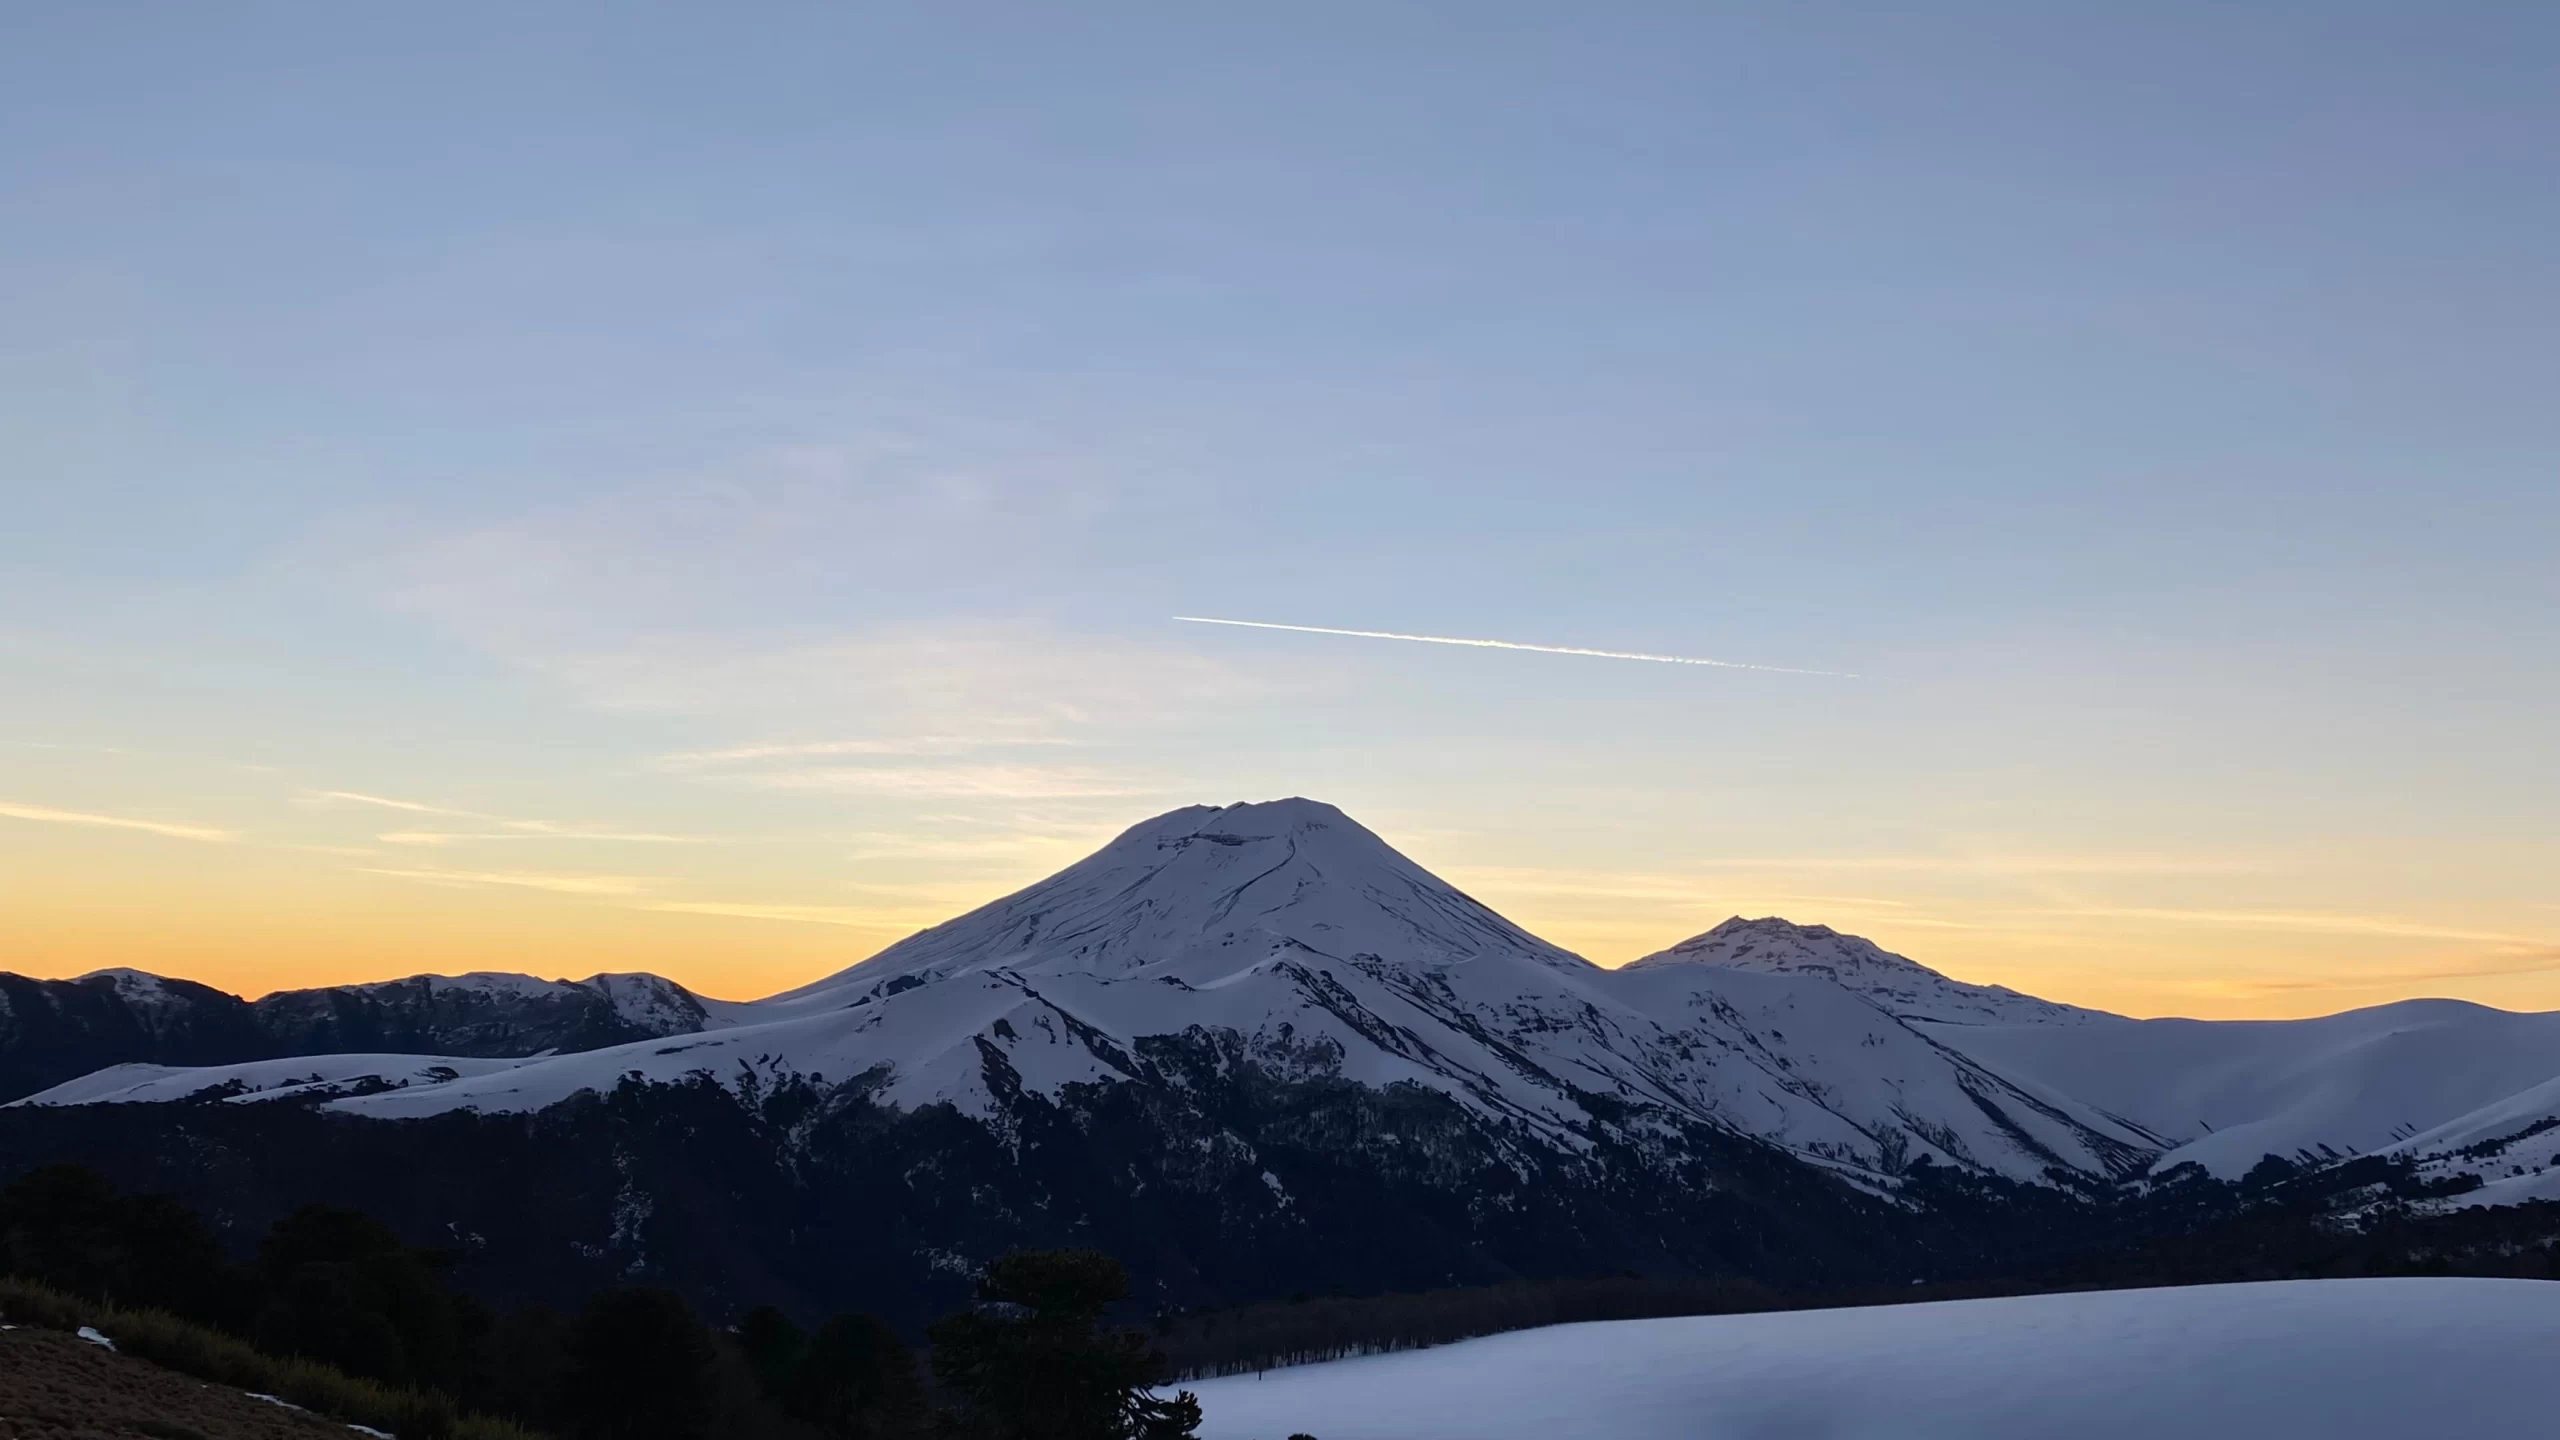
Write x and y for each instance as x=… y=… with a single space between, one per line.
x=2339 y=1359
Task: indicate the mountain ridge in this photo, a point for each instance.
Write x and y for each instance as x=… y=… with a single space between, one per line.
x=1255 y=1049
x=52 y=1031
x=1327 y=954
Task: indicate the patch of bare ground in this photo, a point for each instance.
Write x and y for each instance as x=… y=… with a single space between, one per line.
x=55 y=1386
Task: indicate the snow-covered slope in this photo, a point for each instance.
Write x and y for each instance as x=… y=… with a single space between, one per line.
x=1325 y=953
x=2232 y=1091
x=301 y=1075
x=1314 y=950
x=2338 y=1359
x=1759 y=1046
x=2511 y=1147
x=2424 y=1078
x=1904 y=988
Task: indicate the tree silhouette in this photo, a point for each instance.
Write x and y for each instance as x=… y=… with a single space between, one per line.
x=66 y=1226
x=772 y=1345
x=856 y=1380
x=341 y=1288
x=639 y=1369
x=1036 y=1361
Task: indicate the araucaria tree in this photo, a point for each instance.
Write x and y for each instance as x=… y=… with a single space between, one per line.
x=639 y=1369
x=1036 y=1360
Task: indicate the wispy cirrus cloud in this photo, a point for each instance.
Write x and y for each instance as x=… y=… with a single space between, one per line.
x=2303 y=921
x=614 y=885
x=1032 y=844
x=2529 y=961
x=351 y=797
x=565 y=832
x=1742 y=883
x=887 y=766
x=2002 y=864
x=72 y=745
x=511 y=828
x=850 y=916
x=975 y=782
x=920 y=662
x=884 y=746
x=911 y=567
x=45 y=814
x=785 y=528
x=916 y=687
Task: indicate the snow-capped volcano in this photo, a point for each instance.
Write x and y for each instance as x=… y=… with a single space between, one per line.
x=1314 y=951
x=1904 y=987
x=1204 y=893
x=1293 y=943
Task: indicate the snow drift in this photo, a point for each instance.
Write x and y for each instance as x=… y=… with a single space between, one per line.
x=2339 y=1359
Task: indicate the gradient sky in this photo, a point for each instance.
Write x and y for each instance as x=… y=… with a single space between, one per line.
x=706 y=488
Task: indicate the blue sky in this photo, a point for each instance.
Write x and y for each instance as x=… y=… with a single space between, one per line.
x=526 y=413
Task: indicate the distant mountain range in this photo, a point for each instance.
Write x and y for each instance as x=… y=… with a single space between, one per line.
x=1247 y=1043
x=56 y=1030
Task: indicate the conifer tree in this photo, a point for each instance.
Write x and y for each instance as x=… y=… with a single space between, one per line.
x=1036 y=1360
x=340 y=1287
x=856 y=1380
x=773 y=1346
x=640 y=1368
x=66 y=1226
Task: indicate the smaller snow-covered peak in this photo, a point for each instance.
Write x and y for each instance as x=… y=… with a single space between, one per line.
x=1777 y=946
x=153 y=1000
x=1899 y=985
x=128 y=981
x=655 y=1003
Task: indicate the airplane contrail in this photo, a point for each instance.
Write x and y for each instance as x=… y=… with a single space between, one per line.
x=1514 y=645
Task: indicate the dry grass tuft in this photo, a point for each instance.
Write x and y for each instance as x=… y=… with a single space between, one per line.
x=208 y=1354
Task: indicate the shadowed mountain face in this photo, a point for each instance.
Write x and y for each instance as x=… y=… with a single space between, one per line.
x=57 y=1030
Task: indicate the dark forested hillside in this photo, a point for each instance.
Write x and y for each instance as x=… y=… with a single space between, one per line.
x=332 y=1313
x=2356 y=1220
x=1244 y=1190
x=1217 y=1185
